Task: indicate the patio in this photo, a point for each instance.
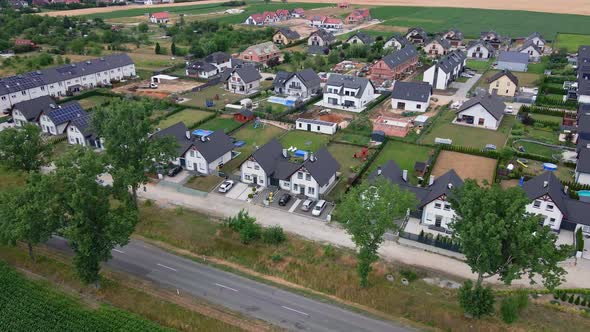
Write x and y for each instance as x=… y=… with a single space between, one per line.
x=414 y=226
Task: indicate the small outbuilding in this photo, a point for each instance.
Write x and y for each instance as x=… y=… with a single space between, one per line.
x=316 y=126
x=244 y=115
x=378 y=136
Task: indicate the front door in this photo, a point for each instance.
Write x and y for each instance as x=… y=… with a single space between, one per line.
x=255 y=179
x=438 y=221
x=401 y=106
x=308 y=127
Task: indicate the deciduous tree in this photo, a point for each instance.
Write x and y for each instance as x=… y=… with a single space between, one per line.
x=24 y=149
x=367 y=212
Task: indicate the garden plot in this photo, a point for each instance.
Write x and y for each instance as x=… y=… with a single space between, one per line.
x=465 y=165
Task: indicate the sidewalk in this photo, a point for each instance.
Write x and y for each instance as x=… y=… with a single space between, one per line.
x=316 y=230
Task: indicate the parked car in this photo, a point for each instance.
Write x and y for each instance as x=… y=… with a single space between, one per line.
x=319 y=208
x=490 y=147
x=174 y=171
x=284 y=199
x=509 y=109
x=226 y=186
x=455 y=105
x=307 y=205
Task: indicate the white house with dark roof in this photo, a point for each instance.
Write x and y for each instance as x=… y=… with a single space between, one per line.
x=60 y=81
x=454 y=36
x=395 y=42
x=532 y=50
x=303 y=84
x=411 y=96
x=54 y=120
x=243 y=79
x=80 y=132
x=211 y=66
x=349 y=93
x=446 y=70
x=437 y=47
x=360 y=38
x=536 y=39
x=416 y=35
x=271 y=165
x=204 y=154
x=479 y=50
x=433 y=206
x=513 y=61
x=28 y=111
x=484 y=111
x=316 y=126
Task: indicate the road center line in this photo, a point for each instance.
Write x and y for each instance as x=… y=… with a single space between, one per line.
x=223 y=286
x=119 y=251
x=295 y=310
x=167 y=267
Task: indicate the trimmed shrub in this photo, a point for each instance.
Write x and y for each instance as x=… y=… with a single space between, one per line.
x=273 y=235
x=509 y=309
x=577 y=301
x=563 y=296
x=579 y=240
x=571 y=299
x=276 y=258
x=476 y=301
x=250 y=232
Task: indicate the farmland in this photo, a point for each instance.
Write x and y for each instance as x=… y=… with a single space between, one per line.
x=39 y=308
x=571 y=42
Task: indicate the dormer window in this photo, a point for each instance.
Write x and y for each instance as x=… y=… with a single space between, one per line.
x=537 y=204
x=437 y=205
x=549 y=207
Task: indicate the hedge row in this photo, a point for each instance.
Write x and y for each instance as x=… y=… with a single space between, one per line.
x=369 y=161
x=548 y=101
x=541 y=110
x=558 y=79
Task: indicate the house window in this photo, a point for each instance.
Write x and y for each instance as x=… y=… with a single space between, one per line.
x=308 y=177
x=300 y=175
x=318 y=128
x=549 y=207
x=418 y=106
x=437 y=205
x=311 y=190
x=256 y=167
x=447 y=207
x=3 y=97
x=247 y=177
x=537 y=204
x=24 y=93
x=480 y=122
x=551 y=222
x=42 y=88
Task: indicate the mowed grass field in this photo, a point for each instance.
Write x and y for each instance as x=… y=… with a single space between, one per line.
x=405 y=156
x=304 y=140
x=571 y=42
x=188 y=116
x=472 y=21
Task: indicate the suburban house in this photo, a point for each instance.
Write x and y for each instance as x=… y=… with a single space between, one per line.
x=395 y=42
x=484 y=111
x=28 y=111
x=220 y=60
x=360 y=38
x=446 y=70
x=261 y=53
x=244 y=115
x=302 y=84
x=298 y=13
x=54 y=121
x=283 y=14
x=60 y=81
x=316 y=126
x=358 y=16
x=319 y=41
x=349 y=93
x=203 y=154
x=316 y=20
x=583 y=75
x=255 y=19
x=536 y=39
x=285 y=36
x=503 y=83
x=513 y=61
x=211 y=66
x=243 y=80
x=271 y=165
x=80 y=132
x=493 y=38
x=533 y=51
x=159 y=18
x=582 y=173
x=417 y=36
x=332 y=23
x=434 y=208
x=395 y=66
x=437 y=47
x=454 y=36
x=477 y=49
x=411 y=96
x=550 y=199
x=268 y=17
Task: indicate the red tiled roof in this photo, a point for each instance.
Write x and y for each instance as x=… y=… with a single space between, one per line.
x=332 y=20
x=160 y=15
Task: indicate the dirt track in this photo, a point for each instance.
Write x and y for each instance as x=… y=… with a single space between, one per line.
x=580 y=7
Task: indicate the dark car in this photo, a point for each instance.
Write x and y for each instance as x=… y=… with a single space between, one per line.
x=174 y=170
x=284 y=199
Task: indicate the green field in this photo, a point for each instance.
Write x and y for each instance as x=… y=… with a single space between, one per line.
x=220 y=123
x=468 y=136
x=303 y=140
x=544 y=117
x=571 y=42
x=188 y=116
x=187 y=10
x=473 y=21
x=405 y=155
x=257 y=136
x=479 y=66
x=33 y=306
x=217 y=94
x=537 y=149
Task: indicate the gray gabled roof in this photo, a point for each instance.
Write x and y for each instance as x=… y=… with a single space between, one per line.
x=457 y=34
x=494 y=105
x=583 y=161
x=515 y=57
x=583 y=70
x=280 y=78
x=247 y=73
x=269 y=155
x=350 y=82
x=506 y=73
x=307 y=76
x=322 y=166
x=392 y=172
x=214 y=145
x=201 y=66
x=83 y=123
x=400 y=39
x=31 y=109
x=217 y=58
x=451 y=61
x=178 y=132
x=443 y=186
x=483 y=43
x=533 y=35
x=326 y=36
x=291 y=34
x=445 y=43
x=397 y=58
x=419 y=31
x=61 y=73
x=530 y=43
x=365 y=38
x=414 y=91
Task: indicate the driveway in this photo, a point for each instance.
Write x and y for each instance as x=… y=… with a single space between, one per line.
x=179 y=178
x=240 y=191
x=461 y=93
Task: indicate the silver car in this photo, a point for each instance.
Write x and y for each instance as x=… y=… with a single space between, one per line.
x=307 y=205
x=226 y=186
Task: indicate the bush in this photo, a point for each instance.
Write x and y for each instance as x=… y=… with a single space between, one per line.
x=273 y=235
x=148 y=203
x=476 y=301
x=584 y=303
x=563 y=296
x=276 y=258
x=250 y=232
x=571 y=299
x=509 y=309
x=579 y=240
x=577 y=301
x=409 y=275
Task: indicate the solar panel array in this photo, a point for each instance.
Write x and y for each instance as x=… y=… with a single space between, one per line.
x=66 y=112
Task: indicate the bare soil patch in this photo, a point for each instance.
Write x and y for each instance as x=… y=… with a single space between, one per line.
x=164 y=89
x=467 y=166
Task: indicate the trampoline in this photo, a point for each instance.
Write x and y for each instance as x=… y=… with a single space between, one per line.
x=549 y=167
x=202 y=132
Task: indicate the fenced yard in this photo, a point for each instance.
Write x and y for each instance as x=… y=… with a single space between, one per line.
x=259 y=135
x=215 y=93
x=467 y=166
x=405 y=155
x=224 y=122
x=304 y=140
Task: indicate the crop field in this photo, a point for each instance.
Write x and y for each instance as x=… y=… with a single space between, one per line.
x=571 y=42
x=31 y=306
x=472 y=21
x=195 y=9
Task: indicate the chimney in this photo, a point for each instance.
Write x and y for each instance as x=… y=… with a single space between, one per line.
x=431 y=180
x=379 y=170
x=405 y=175
x=545 y=184
x=188 y=134
x=450 y=186
x=311 y=157
x=285 y=154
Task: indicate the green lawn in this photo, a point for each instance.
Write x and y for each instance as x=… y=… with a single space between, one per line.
x=303 y=140
x=544 y=117
x=468 y=136
x=541 y=134
x=226 y=124
x=217 y=94
x=348 y=165
x=257 y=136
x=571 y=42
x=478 y=65
x=11 y=179
x=94 y=101
x=472 y=21
x=539 y=67
x=405 y=155
x=188 y=116
x=272 y=108
x=352 y=138
x=537 y=149
x=203 y=183
x=524 y=79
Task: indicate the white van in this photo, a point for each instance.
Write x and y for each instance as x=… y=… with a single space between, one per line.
x=319 y=208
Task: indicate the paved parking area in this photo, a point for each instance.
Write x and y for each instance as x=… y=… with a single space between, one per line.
x=240 y=191
x=294 y=206
x=181 y=177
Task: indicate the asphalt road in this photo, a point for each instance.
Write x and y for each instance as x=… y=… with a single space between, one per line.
x=276 y=306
